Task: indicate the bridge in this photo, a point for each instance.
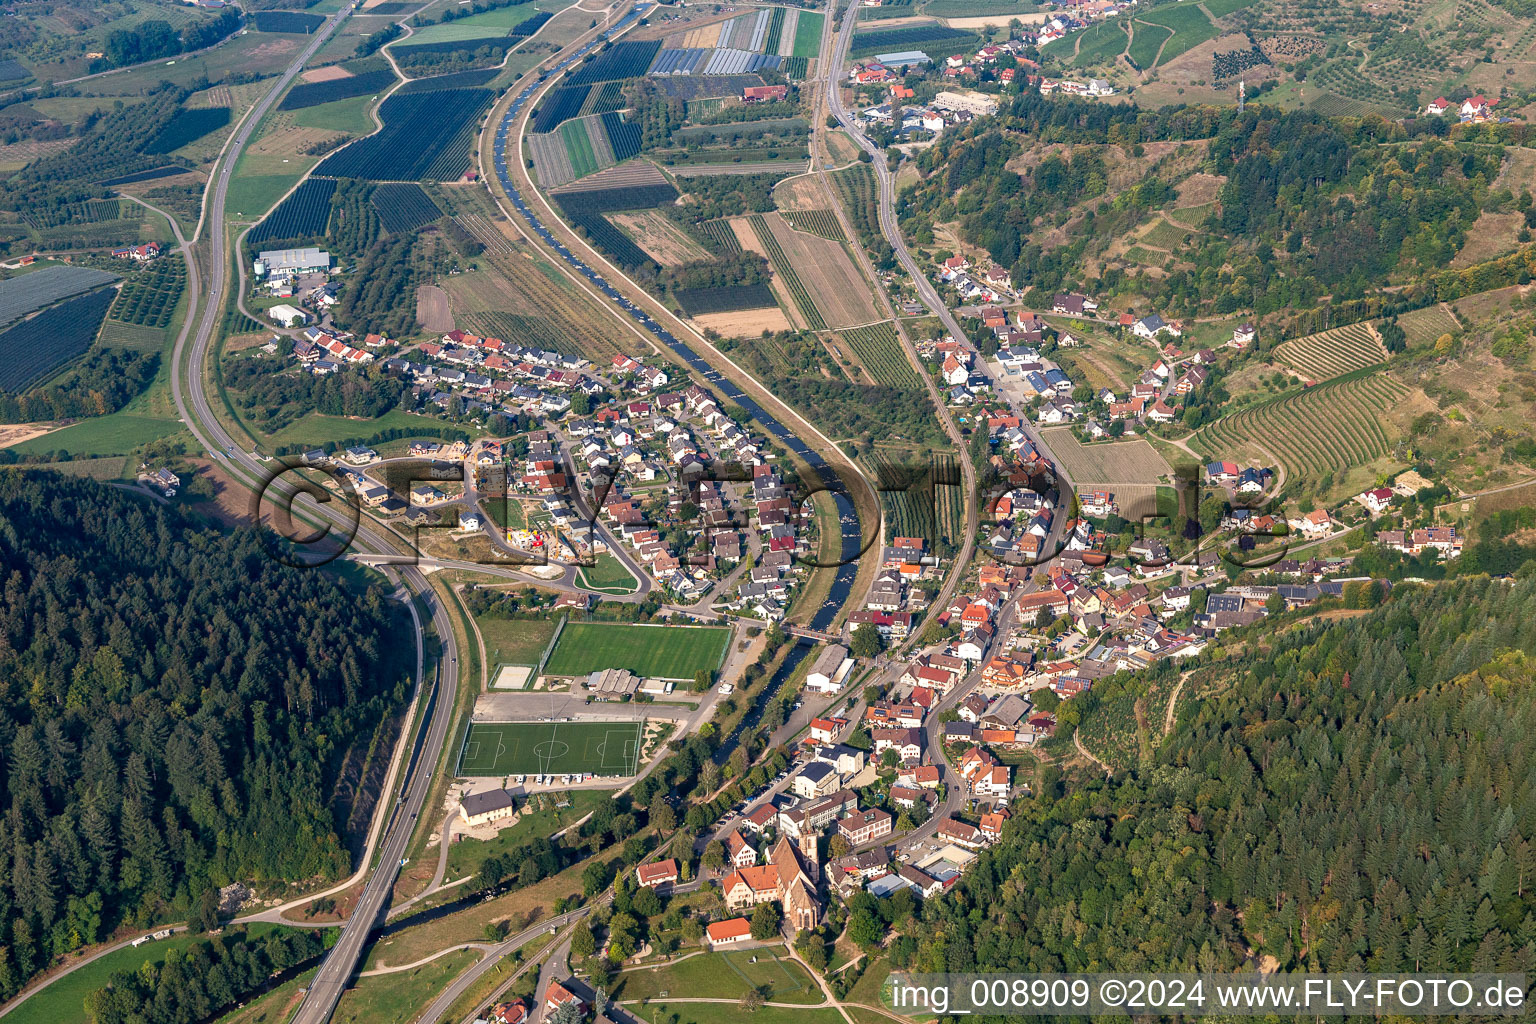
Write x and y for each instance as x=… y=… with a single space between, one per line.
x=807 y=633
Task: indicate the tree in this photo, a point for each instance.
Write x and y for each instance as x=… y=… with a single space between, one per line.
x=566 y=1013
x=714 y=855
x=207 y=917
x=752 y=999
x=838 y=846
x=1274 y=604
x=865 y=642
x=865 y=929
x=765 y=921
x=583 y=943
x=662 y=815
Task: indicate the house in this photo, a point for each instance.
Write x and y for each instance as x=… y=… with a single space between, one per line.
x=1437 y=107
x=764 y=93
x=863 y=827
x=759 y=820
x=814 y=780
x=995 y=782
x=907 y=743
x=1476 y=107
x=738 y=852
x=1161 y=412
x=514 y=1012
x=1314 y=524
x=1073 y=304
x=1149 y=327
x=557 y=995
x=731 y=932
x=959 y=833
x=825 y=730
x=483 y=808
x=826 y=675
x=1377 y=500
x=663 y=872
x=1243 y=336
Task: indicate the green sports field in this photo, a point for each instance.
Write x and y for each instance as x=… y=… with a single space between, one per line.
x=551 y=748
x=651 y=652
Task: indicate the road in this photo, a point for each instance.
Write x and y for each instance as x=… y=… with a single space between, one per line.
x=188 y=389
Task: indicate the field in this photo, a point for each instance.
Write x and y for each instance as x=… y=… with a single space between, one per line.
x=880 y=352
x=287 y=21
x=1320 y=432
x=425 y=136
x=303 y=214
x=725 y=975
x=514 y=641
x=727 y=299
x=1099 y=44
x=149 y=299
x=857 y=191
x=312 y=94
x=186 y=127
x=1333 y=352
x=34 y=349
x=1423 y=326
x=745 y=323
x=808 y=34
x=671 y=652
x=545 y=748
x=816 y=222
x=910 y=37
x=665 y=242
x=1122 y=462
x=1149 y=39
x=403 y=207
x=460 y=80
x=561 y=104
x=1188 y=23
x=21 y=295
x=585 y=209
x=819 y=274
x=622 y=60
x=117 y=434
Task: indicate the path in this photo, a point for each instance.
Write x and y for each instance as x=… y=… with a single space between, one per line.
x=1077 y=740
x=1173 y=703
x=375 y=972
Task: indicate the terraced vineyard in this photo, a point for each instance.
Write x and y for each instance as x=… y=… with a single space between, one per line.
x=880 y=351
x=1321 y=431
x=1423 y=326
x=1333 y=353
x=817 y=222
x=786 y=272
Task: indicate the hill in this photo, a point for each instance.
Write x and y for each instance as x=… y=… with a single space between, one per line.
x=172 y=704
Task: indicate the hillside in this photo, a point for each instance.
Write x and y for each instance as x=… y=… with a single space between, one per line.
x=172 y=703
x=1360 y=799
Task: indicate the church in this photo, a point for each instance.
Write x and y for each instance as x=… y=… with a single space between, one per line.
x=789 y=877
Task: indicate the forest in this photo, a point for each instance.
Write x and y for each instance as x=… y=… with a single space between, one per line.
x=172 y=703
x=273 y=392
x=1361 y=798
x=154 y=39
x=101 y=382
x=1313 y=206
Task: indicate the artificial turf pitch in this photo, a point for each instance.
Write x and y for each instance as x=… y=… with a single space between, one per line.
x=551 y=748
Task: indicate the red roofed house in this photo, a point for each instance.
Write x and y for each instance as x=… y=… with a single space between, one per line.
x=764 y=93
x=728 y=933
x=663 y=872
x=1438 y=106
x=558 y=995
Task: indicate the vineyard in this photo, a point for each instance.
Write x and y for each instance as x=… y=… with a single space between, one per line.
x=528 y=26
x=186 y=127
x=86 y=211
x=459 y=80
x=725 y=299
x=1320 y=431
x=879 y=349
x=817 y=222
x=33 y=350
x=303 y=214
x=607 y=97
x=623 y=137
x=149 y=175
x=517 y=329
x=312 y=94
x=622 y=60
x=426 y=136
x=796 y=68
x=856 y=188
x=1332 y=353
x=1423 y=326
x=719 y=232
x=775 y=30
x=148 y=299
x=22 y=295
x=786 y=273
x=585 y=211
x=403 y=206
x=920 y=496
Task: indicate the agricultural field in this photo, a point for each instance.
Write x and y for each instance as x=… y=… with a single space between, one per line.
x=808 y=34
x=622 y=60
x=583 y=146
x=1146 y=43
x=33 y=350
x=458 y=80
x=909 y=509
x=652 y=652
x=287 y=21
x=1423 y=326
x=858 y=192
x=1119 y=462
x=816 y=222
x=1317 y=435
x=29 y=292
x=149 y=298
x=303 y=214
x=312 y=94
x=696 y=302
x=514 y=641
x=1187 y=23
x=661 y=238
x=1331 y=353
x=881 y=353
x=426 y=136
x=560 y=105
x=911 y=37
x=403 y=206
x=187 y=127
x=585 y=209
x=529 y=302
x=551 y=748
x=819 y=274
x=720 y=233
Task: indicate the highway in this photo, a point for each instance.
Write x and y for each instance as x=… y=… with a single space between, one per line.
x=188 y=389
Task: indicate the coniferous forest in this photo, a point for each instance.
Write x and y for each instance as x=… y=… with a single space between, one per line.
x=171 y=699
x=1362 y=798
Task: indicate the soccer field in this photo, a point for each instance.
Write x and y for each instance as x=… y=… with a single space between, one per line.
x=551 y=748
x=651 y=652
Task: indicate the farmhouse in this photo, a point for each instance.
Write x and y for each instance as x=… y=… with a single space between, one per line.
x=663 y=872
x=483 y=808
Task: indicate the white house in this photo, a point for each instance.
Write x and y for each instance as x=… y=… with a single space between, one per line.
x=826 y=674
